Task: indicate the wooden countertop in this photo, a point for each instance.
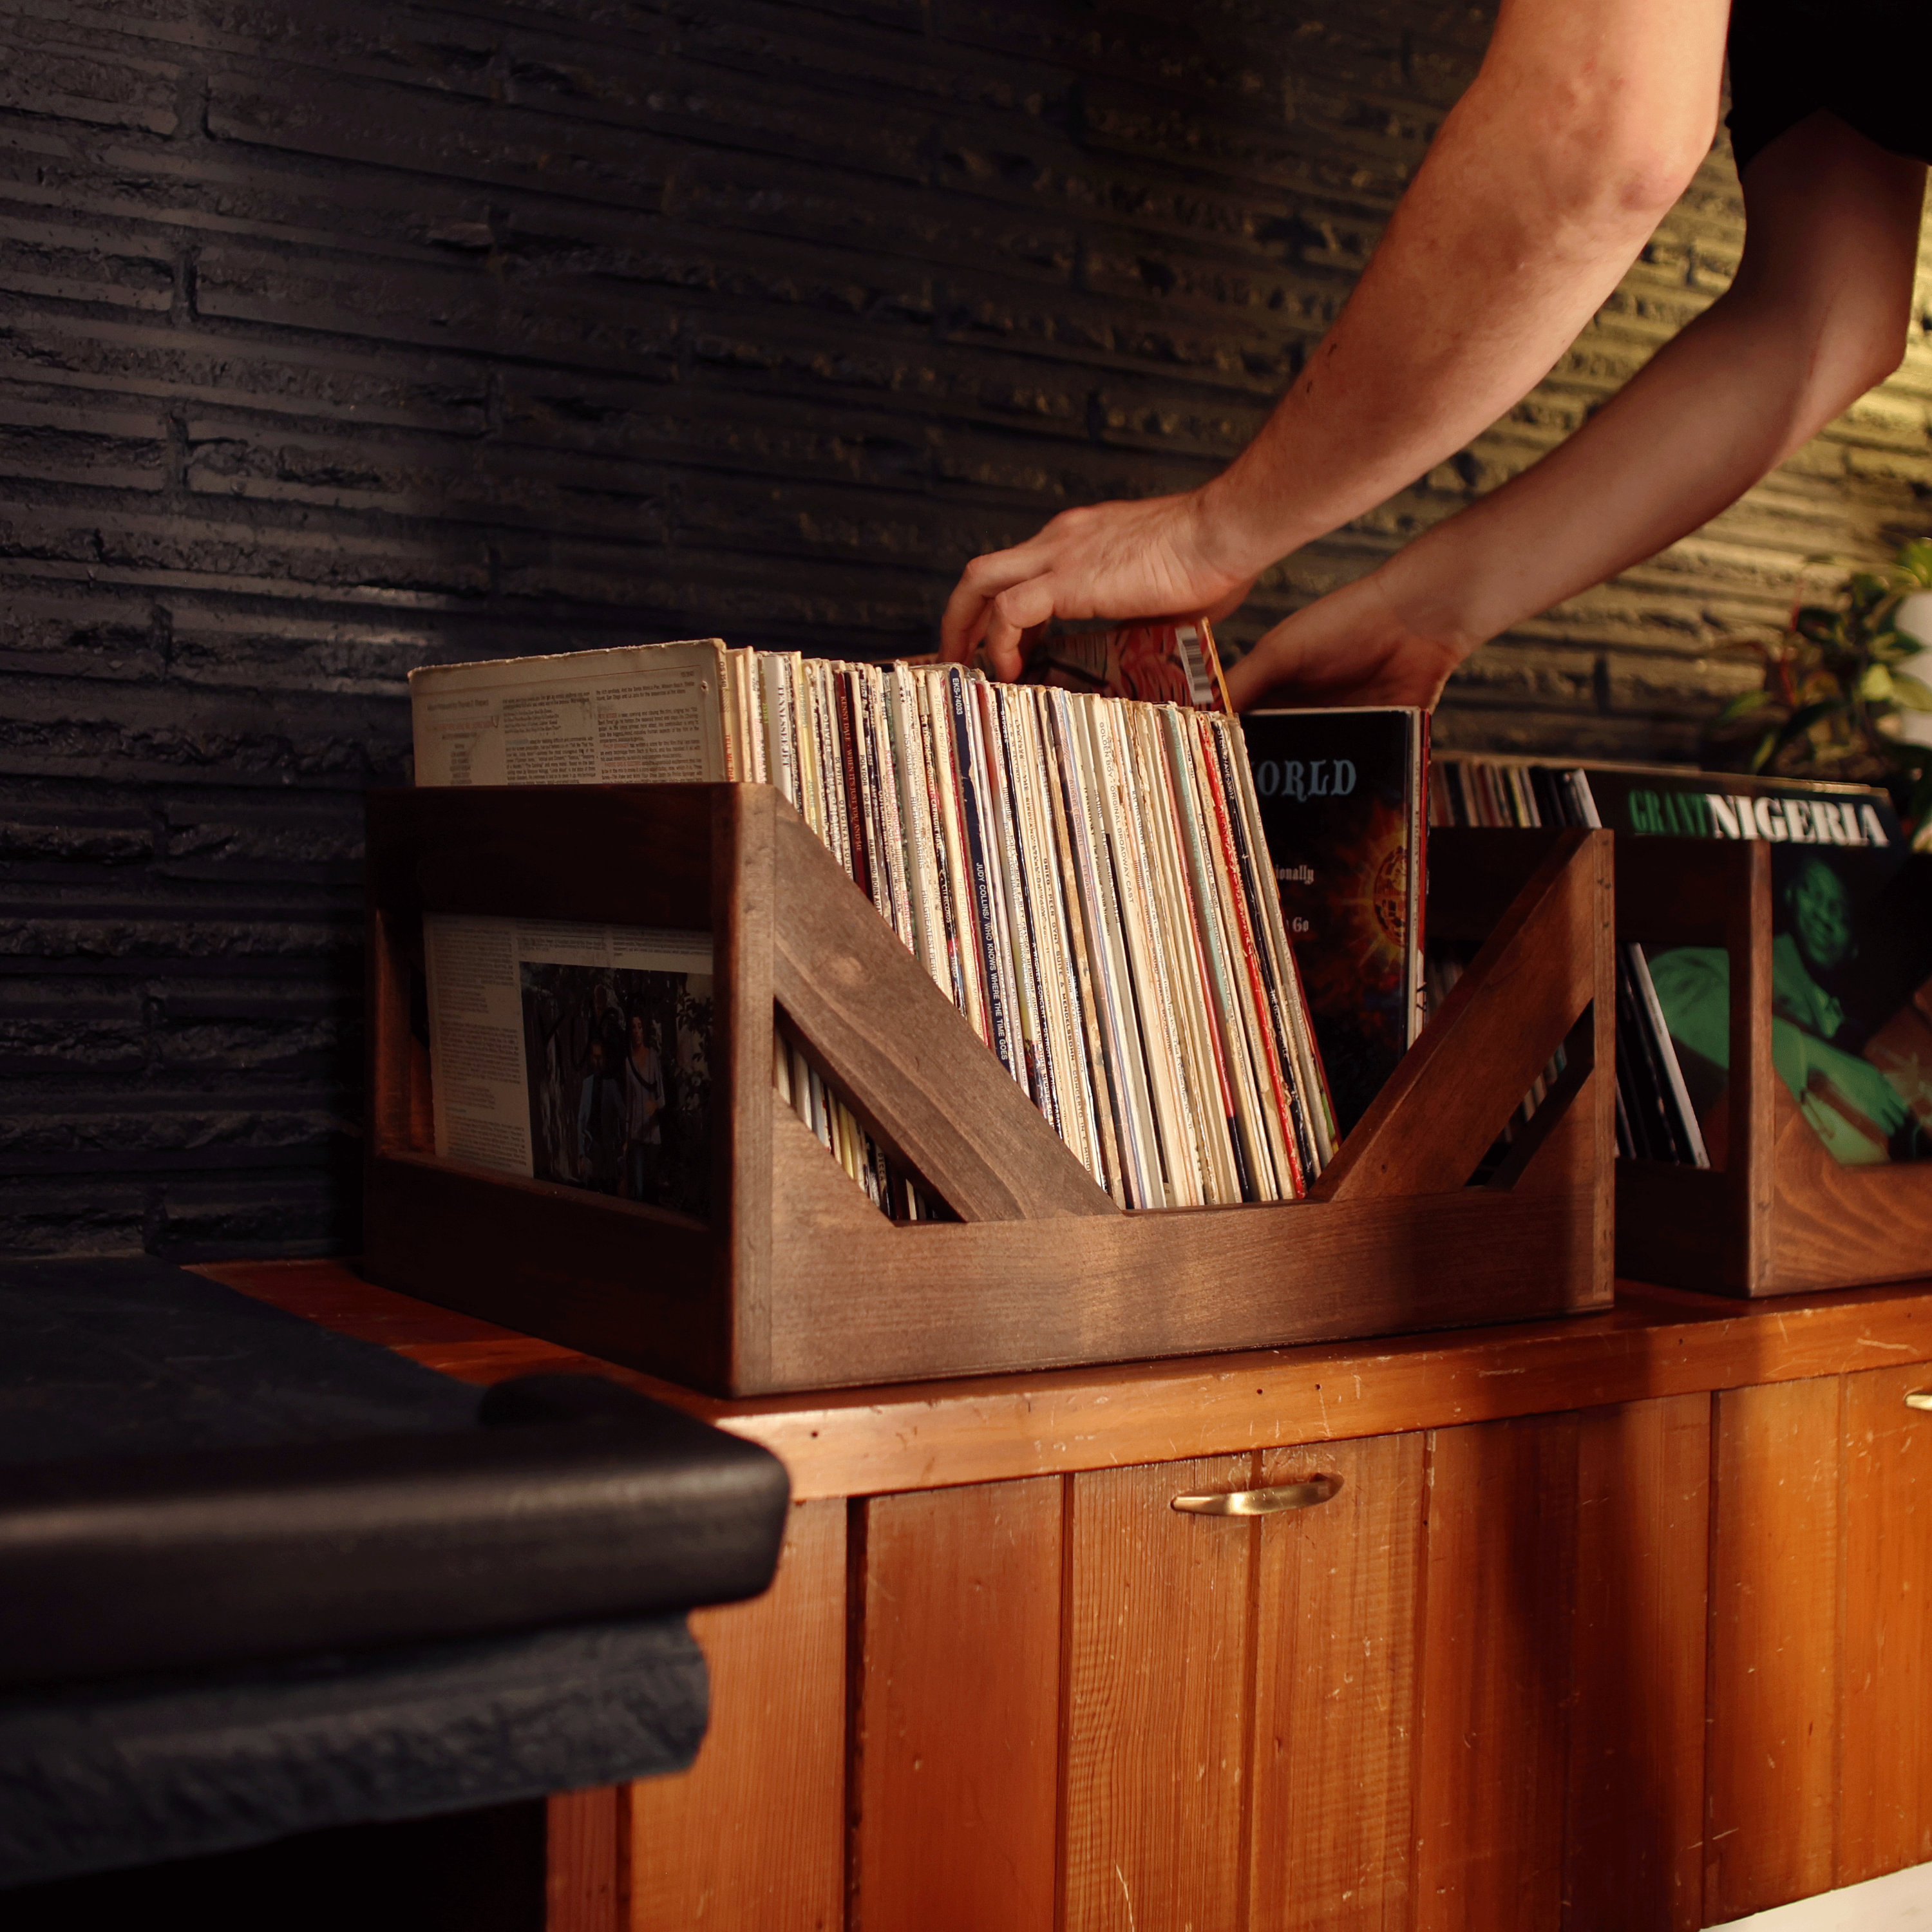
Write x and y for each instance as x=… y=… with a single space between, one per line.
x=847 y=1442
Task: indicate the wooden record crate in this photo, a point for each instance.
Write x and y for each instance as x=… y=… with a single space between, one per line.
x=799 y=1282
x=1781 y=1215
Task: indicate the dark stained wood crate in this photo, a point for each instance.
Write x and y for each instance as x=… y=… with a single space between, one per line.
x=1781 y=1215
x=800 y=1282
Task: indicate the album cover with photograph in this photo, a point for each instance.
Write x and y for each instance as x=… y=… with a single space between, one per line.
x=1851 y=1001
x=618 y=1066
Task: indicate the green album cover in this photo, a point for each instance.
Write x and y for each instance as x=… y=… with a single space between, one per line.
x=1851 y=1001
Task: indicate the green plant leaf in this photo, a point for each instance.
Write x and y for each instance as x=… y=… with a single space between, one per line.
x=1915 y=561
x=1875 y=685
x=1910 y=693
x=1807 y=716
x=1743 y=705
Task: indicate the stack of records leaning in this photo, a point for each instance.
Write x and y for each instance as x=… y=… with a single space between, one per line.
x=1083 y=877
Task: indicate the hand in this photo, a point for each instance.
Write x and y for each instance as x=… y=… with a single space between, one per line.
x=1864 y=1086
x=1351 y=647
x=1155 y=558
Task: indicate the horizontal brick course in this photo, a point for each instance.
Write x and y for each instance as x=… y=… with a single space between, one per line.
x=339 y=338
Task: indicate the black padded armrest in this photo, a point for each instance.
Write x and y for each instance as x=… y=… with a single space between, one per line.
x=578 y=1500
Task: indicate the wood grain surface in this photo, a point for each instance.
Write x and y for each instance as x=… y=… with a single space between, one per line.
x=1833 y=1225
x=997 y=1296
x=1774 y=1657
x=1159 y=1692
x=988 y=1428
x=549 y=850
x=586 y=1860
x=1675 y=1225
x=743 y=867
x=1886 y=1783
x=1750 y=1167
x=956 y=1758
x=1499 y=1568
x=1454 y=1090
x=1633 y=1853
x=1336 y=1637
x=391 y=1061
x=613 y=1277
x=752 y=1837
x=1391 y=1242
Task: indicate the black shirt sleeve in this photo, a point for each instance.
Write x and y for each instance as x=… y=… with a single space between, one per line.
x=1869 y=61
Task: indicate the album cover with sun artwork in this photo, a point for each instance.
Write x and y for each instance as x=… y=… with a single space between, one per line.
x=1342 y=796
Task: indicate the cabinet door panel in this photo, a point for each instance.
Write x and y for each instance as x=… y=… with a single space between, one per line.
x=1774 y=1653
x=1886 y=1799
x=1335 y=1692
x=752 y=1837
x=957 y=1760
x=1159 y=1682
x=583 y=1859
x=1633 y=1855
x=1500 y=1563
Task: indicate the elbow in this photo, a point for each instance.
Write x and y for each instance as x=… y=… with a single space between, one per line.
x=1838 y=338
x=1608 y=159
x=1879 y=348
x=1646 y=181
x=1604 y=171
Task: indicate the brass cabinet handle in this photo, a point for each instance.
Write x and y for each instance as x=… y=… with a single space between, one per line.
x=1262 y=1502
x=1919 y=1398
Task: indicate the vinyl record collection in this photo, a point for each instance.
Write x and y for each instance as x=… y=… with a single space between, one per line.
x=1085 y=878
x=1848 y=1032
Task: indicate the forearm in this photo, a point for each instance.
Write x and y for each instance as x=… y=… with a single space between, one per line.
x=1587 y=118
x=1531 y=205
x=1715 y=410
x=1816 y=317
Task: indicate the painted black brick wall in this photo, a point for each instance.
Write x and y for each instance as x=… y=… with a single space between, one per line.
x=334 y=338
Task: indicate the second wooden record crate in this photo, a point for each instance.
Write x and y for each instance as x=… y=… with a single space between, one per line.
x=1777 y=1214
x=797 y=1281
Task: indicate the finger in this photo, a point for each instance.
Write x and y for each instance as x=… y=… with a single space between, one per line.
x=1013 y=613
x=964 y=623
x=1275 y=660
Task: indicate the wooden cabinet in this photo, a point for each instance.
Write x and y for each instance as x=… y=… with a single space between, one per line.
x=1885 y=1634
x=1821 y=1652
x=1615 y=1625
x=1462 y=1692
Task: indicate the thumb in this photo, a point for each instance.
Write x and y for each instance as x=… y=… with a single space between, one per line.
x=1277 y=658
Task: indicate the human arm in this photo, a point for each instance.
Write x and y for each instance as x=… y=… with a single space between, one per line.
x=1816 y=315
x=1587 y=118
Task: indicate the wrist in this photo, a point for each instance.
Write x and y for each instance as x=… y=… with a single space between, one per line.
x=1429 y=589
x=1237 y=536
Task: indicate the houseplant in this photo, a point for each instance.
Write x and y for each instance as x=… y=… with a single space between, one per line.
x=1834 y=689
